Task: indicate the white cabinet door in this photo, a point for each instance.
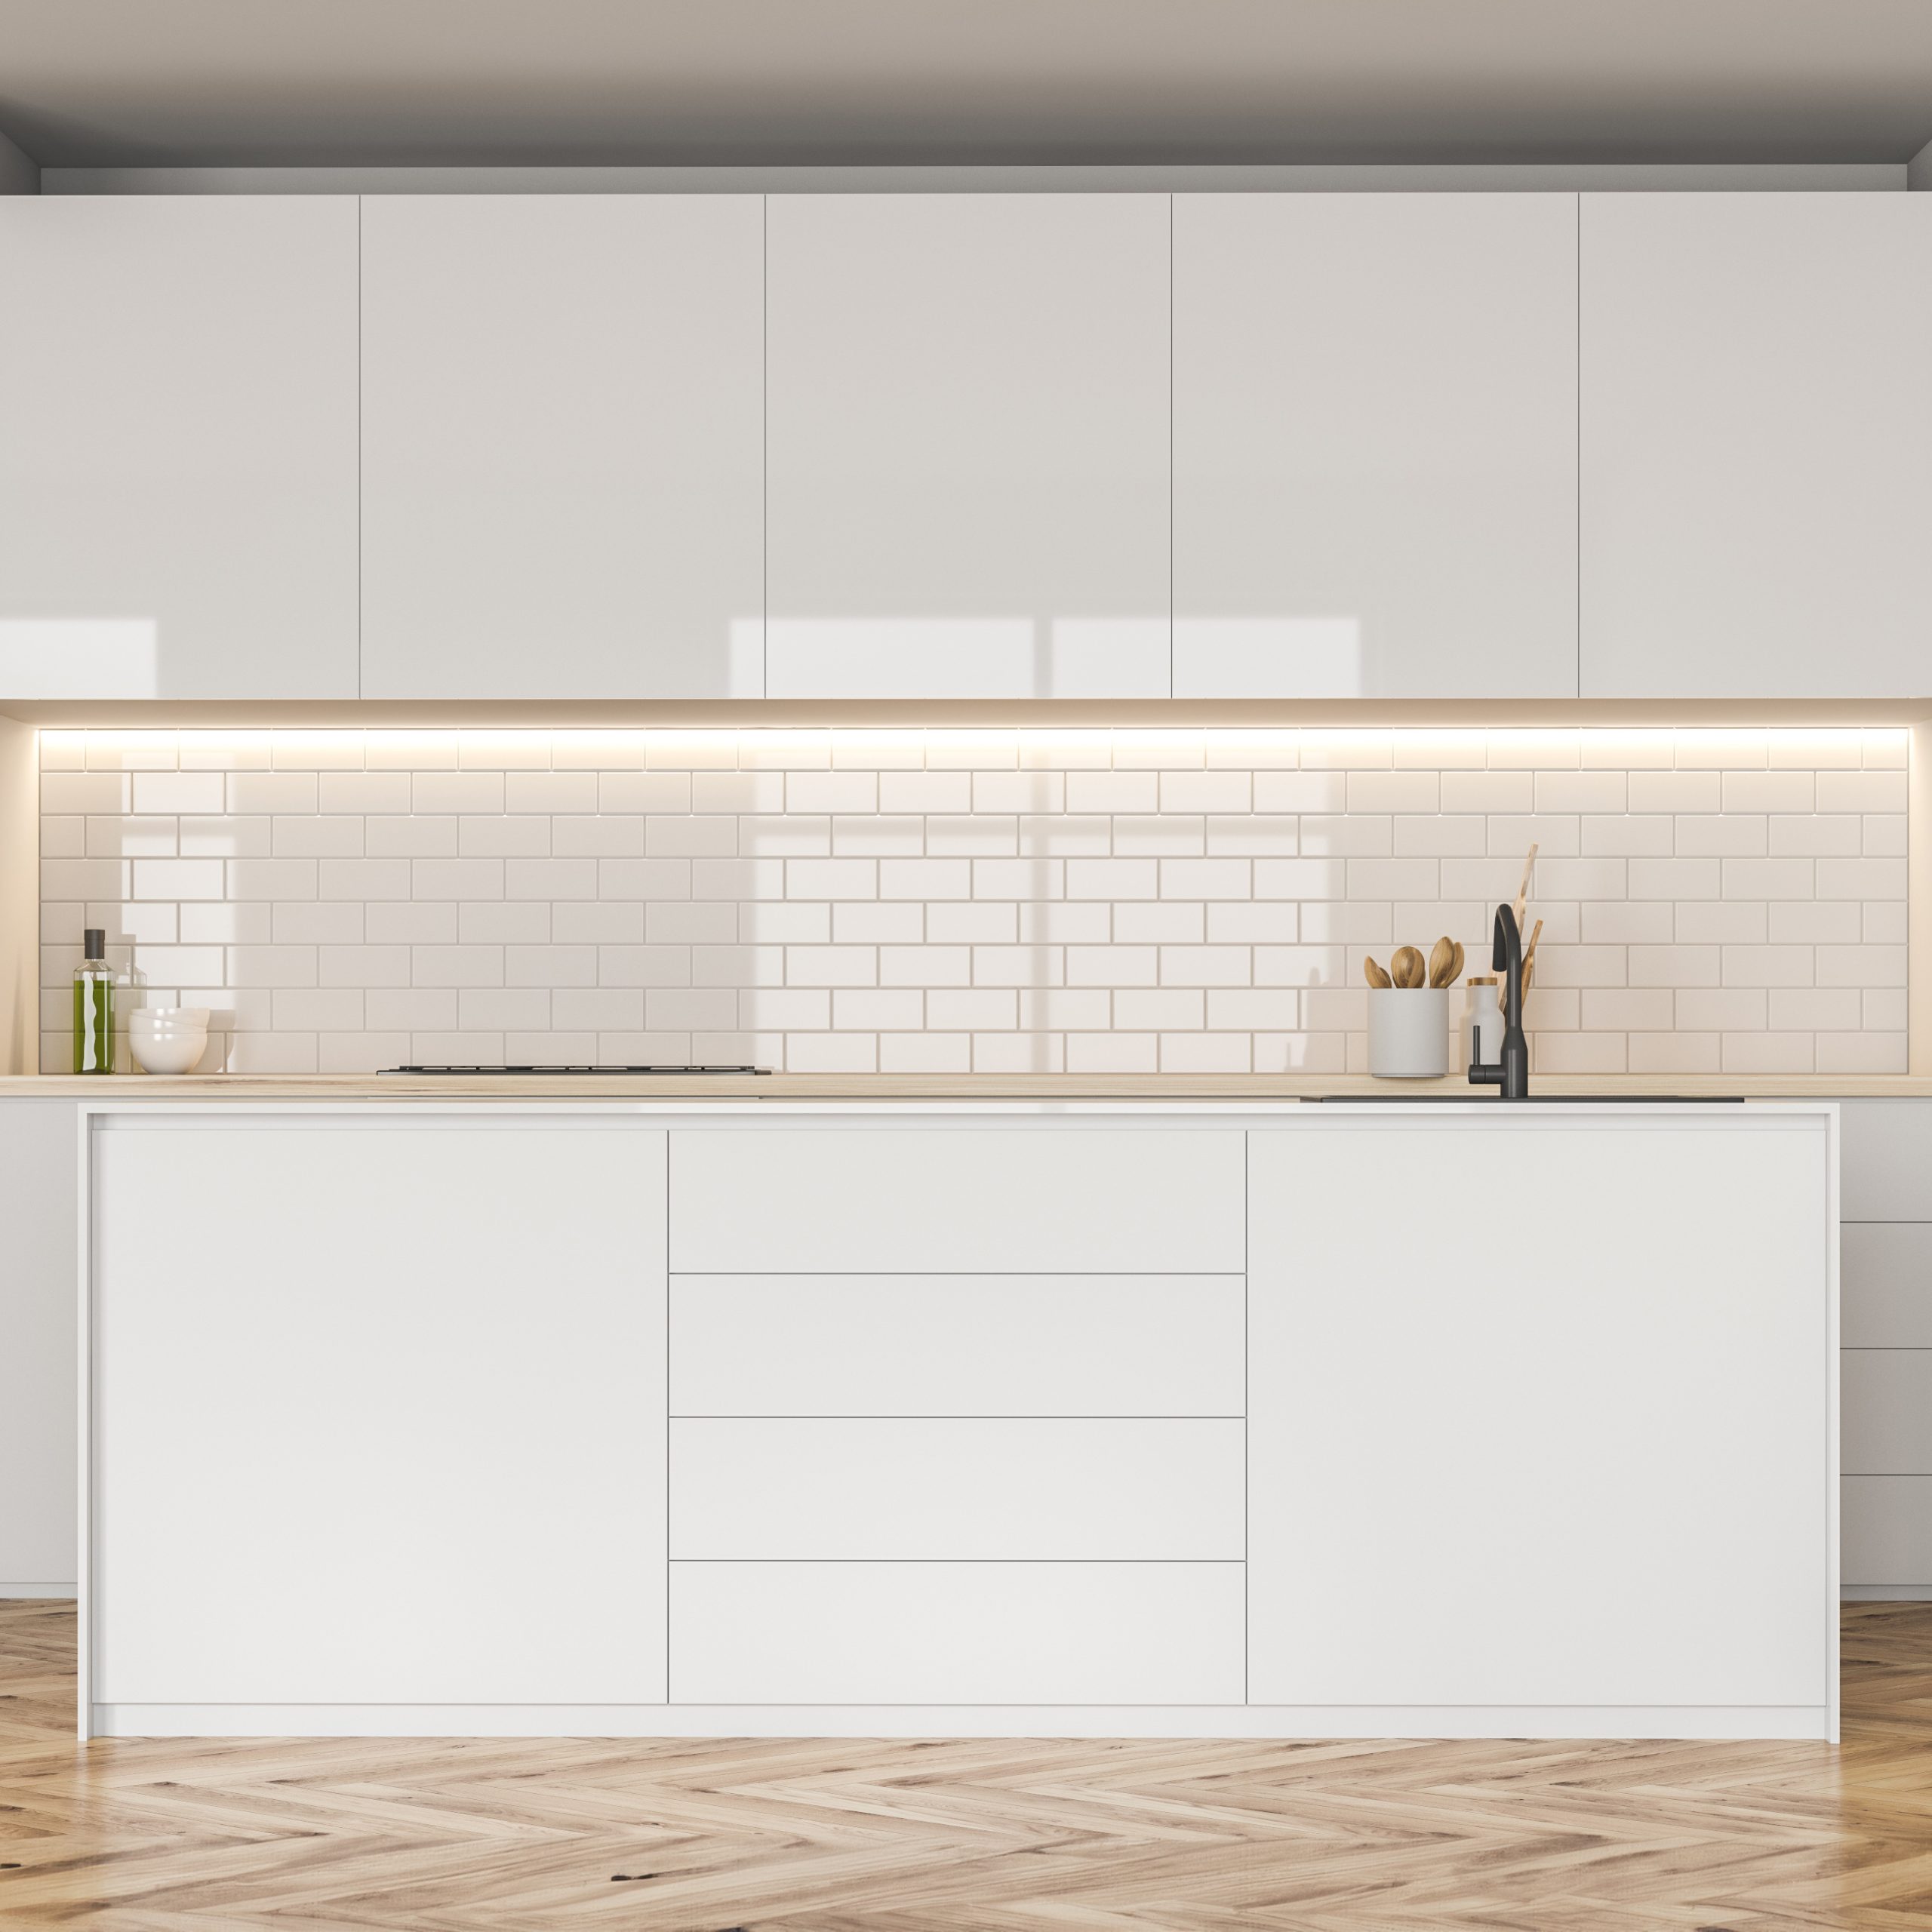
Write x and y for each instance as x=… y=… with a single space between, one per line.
x=562 y=457
x=968 y=446
x=37 y=1429
x=1582 y=1461
x=1375 y=445
x=177 y=447
x=1757 y=445
x=380 y=1414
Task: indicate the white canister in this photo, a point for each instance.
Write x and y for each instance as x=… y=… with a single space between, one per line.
x=1408 y=1032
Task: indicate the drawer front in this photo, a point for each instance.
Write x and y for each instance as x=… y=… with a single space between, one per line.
x=958 y=1345
x=946 y=1490
x=1886 y=1526
x=1885 y=1151
x=956 y=1633
x=826 y=1200
x=1885 y=1400
x=1885 y=1268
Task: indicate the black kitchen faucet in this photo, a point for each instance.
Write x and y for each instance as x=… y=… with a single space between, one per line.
x=1512 y=1072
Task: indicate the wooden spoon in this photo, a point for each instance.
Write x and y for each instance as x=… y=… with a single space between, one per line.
x=1456 y=966
x=1374 y=973
x=1441 y=960
x=1405 y=966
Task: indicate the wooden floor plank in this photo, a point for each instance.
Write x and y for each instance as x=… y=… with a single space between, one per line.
x=981 y=1835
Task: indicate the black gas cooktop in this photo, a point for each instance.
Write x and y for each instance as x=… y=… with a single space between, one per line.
x=577 y=1069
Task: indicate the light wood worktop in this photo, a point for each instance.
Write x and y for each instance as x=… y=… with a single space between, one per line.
x=795 y=1088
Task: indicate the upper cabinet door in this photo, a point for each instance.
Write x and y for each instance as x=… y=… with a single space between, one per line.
x=968 y=446
x=562 y=446
x=1375 y=446
x=177 y=447
x=1757 y=445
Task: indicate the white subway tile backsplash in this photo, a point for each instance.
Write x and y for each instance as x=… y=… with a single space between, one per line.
x=1629 y=834
x=1771 y=1052
x=179 y=792
x=362 y=792
x=1190 y=899
x=178 y=879
x=1627 y=922
x=1679 y=965
x=1868 y=790
x=1815 y=1009
x=1724 y=922
x=1883 y=1009
x=1863 y=1052
x=1726 y=835
x=1883 y=922
x=385 y=923
x=273 y=792
x=1861 y=965
x=1861 y=879
x=1752 y=791
x=1769 y=965
x=1675 y=1052
x=1676 y=792
x=1722 y=1010
x=339 y=878
x=1815 y=835
x=1769 y=878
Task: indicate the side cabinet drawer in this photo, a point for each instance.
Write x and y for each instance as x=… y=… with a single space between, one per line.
x=1885 y=1407
x=956 y=1633
x=1001 y=1491
x=958 y=1345
x=1886 y=1522
x=1885 y=1148
x=1886 y=1269
x=997 y=1200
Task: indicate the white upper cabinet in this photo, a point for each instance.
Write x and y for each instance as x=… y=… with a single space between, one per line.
x=562 y=446
x=1757 y=445
x=968 y=446
x=177 y=447
x=1375 y=445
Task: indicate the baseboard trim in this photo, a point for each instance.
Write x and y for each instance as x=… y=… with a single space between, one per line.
x=1298 y=1720
x=1886 y=1593
x=55 y=1591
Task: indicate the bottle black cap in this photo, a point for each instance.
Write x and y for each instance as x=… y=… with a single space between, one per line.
x=94 y=943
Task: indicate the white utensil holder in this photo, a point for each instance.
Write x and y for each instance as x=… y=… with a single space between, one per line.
x=1408 y=1032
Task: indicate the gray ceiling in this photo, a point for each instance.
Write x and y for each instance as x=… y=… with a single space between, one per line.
x=156 y=83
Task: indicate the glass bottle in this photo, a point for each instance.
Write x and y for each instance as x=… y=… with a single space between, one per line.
x=94 y=1007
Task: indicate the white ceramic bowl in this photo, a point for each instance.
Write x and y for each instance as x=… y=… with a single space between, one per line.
x=168 y=1039
x=169 y=1016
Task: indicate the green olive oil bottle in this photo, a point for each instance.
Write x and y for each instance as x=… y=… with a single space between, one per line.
x=94 y=1007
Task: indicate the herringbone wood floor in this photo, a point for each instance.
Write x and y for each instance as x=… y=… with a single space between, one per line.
x=477 y=1835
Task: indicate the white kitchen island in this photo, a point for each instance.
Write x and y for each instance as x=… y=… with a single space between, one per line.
x=634 y=1418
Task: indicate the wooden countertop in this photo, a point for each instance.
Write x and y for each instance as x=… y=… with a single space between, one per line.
x=795 y=1088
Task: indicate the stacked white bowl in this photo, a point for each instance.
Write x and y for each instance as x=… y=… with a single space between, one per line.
x=168 y=1039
